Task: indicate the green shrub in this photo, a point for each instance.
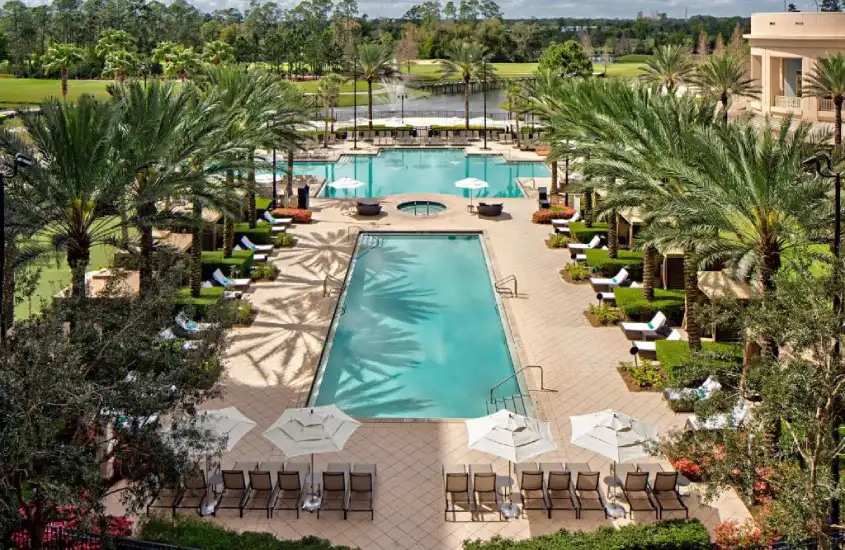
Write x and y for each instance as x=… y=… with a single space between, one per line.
x=285 y=240
x=262 y=204
x=603 y=266
x=208 y=298
x=196 y=533
x=636 y=307
x=675 y=353
x=546 y=215
x=264 y=272
x=261 y=234
x=584 y=234
x=558 y=240
x=645 y=373
x=680 y=534
x=604 y=314
x=633 y=58
x=577 y=272
x=235 y=266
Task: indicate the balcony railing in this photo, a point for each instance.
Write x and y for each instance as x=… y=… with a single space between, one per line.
x=825 y=104
x=787 y=102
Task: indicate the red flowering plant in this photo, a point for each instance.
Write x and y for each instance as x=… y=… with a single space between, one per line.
x=731 y=534
x=70 y=520
x=688 y=469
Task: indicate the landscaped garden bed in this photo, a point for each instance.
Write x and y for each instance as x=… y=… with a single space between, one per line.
x=635 y=306
x=605 y=266
x=546 y=215
x=237 y=265
x=575 y=274
x=644 y=376
x=261 y=234
x=557 y=241
x=209 y=297
x=299 y=215
x=602 y=315
x=584 y=234
x=672 y=354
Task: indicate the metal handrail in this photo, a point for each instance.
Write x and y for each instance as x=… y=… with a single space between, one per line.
x=542 y=381
x=350 y=228
x=334 y=280
x=500 y=284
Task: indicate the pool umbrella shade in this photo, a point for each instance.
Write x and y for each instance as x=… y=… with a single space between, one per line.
x=229 y=422
x=346 y=183
x=264 y=178
x=312 y=430
x=615 y=435
x=471 y=184
x=510 y=436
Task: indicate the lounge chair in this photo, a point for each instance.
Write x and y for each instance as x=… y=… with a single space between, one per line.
x=650 y=468
x=543 y=198
x=565 y=222
x=248 y=244
x=368 y=208
x=532 y=487
x=588 y=493
x=168 y=497
x=226 y=282
x=263 y=494
x=455 y=489
x=559 y=489
x=609 y=297
x=268 y=217
x=484 y=489
x=236 y=489
x=490 y=210
x=362 y=489
x=189 y=326
x=594 y=242
x=255 y=257
x=645 y=330
x=720 y=421
x=635 y=490
x=196 y=492
x=647 y=349
x=704 y=391
x=334 y=489
x=290 y=484
x=665 y=491
x=600 y=283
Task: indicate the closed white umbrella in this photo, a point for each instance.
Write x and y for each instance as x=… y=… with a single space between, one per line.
x=511 y=436
x=264 y=178
x=312 y=430
x=471 y=184
x=615 y=435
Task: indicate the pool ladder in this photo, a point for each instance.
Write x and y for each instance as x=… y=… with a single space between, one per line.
x=331 y=283
x=502 y=286
x=518 y=400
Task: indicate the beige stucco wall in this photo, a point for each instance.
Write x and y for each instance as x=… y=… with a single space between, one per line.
x=801 y=25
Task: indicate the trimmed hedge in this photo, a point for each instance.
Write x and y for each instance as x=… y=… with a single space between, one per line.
x=665 y=535
x=261 y=234
x=585 y=234
x=241 y=259
x=636 y=307
x=193 y=532
x=208 y=298
x=262 y=204
x=609 y=267
x=672 y=354
x=298 y=215
x=546 y=215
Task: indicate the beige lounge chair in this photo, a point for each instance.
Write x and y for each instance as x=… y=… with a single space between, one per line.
x=290 y=483
x=334 y=489
x=196 y=492
x=263 y=493
x=362 y=489
x=587 y=492
x=168 y=498
x=455 y=489
x=236 y=489
x=559 y=489
x=484 y=489
x=636 y=493
x=665 y=491
x=531 y=487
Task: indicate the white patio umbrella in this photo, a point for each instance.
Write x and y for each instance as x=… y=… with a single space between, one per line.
x=346 y=184
x=511 y=436
x=228 y=422
x=615 y=435
x=471 y=184
x=264 y=178
x=312 y=430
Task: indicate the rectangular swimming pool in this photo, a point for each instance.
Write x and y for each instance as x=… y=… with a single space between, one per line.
x=417 y=333
x=397 y=171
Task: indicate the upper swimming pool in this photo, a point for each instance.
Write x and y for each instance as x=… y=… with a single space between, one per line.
x=397 y=171
x=417 y=333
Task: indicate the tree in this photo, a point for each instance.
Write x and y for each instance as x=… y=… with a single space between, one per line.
x=702 y=50
x=791 y=8
x=113 y=41
x=670 y=67
x=408 y=48
x=568 y=59
x=120 y=64
x=328 y=90
x=218 y=53
x=182 y=62
x=467 y=61
x=524 y=36
x=449 y=11
x=60 y=57
x=827 y=80
x=514 y=95
x=372 y=61
x=723 y=76
x=830 y=5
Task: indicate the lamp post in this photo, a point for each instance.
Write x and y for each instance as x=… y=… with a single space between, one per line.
x=19 y=161
x=821 y=164
x=402 y=95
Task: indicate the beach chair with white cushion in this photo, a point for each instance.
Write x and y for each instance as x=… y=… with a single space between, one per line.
x=704 y=391
x=256 y=257
x=249 y=245
x=582 y=257
x=645 y=330
x=190 y=326
x=608 y=297
x=647 y=349
x=579 y=247
x=616 y=280
x=226 y=282
x=722 y=421
x=562 y=226
x=268 y=217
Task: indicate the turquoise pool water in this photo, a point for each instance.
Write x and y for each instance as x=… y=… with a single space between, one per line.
x=396 y=171
x=419 y=334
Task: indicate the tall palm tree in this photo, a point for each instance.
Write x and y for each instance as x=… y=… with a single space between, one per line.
x=514 y=95
x=827 y=80
x=218 y=53
x=120 y=64
x=670 y=66
x=328 y=90
x=542 y=97
x=183 y=62
x=370 y=62
x=71 y=187
x=60 y=57
x=723 y=75
x=467 y=61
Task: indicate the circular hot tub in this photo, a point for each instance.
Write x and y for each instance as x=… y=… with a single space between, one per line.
x=421 y=208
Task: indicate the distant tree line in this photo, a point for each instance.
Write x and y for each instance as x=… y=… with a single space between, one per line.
x=311 y=38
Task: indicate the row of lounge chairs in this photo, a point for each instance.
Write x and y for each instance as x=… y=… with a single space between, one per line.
x=550 y=487
x=420 y=141
x=274 y=486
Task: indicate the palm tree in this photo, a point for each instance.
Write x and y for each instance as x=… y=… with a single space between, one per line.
x=328 y=89
x=218 y=53
x=467 y=61
x=373 y=61
x=120 y=64
x=827 y=80
x=723 y=75
x=60 y=57
x=542 y=97
x=671 y=65
x=182 y=62
x=514 y=95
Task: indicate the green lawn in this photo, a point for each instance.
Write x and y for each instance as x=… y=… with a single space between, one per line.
x=17 y=91
x=624 y=70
